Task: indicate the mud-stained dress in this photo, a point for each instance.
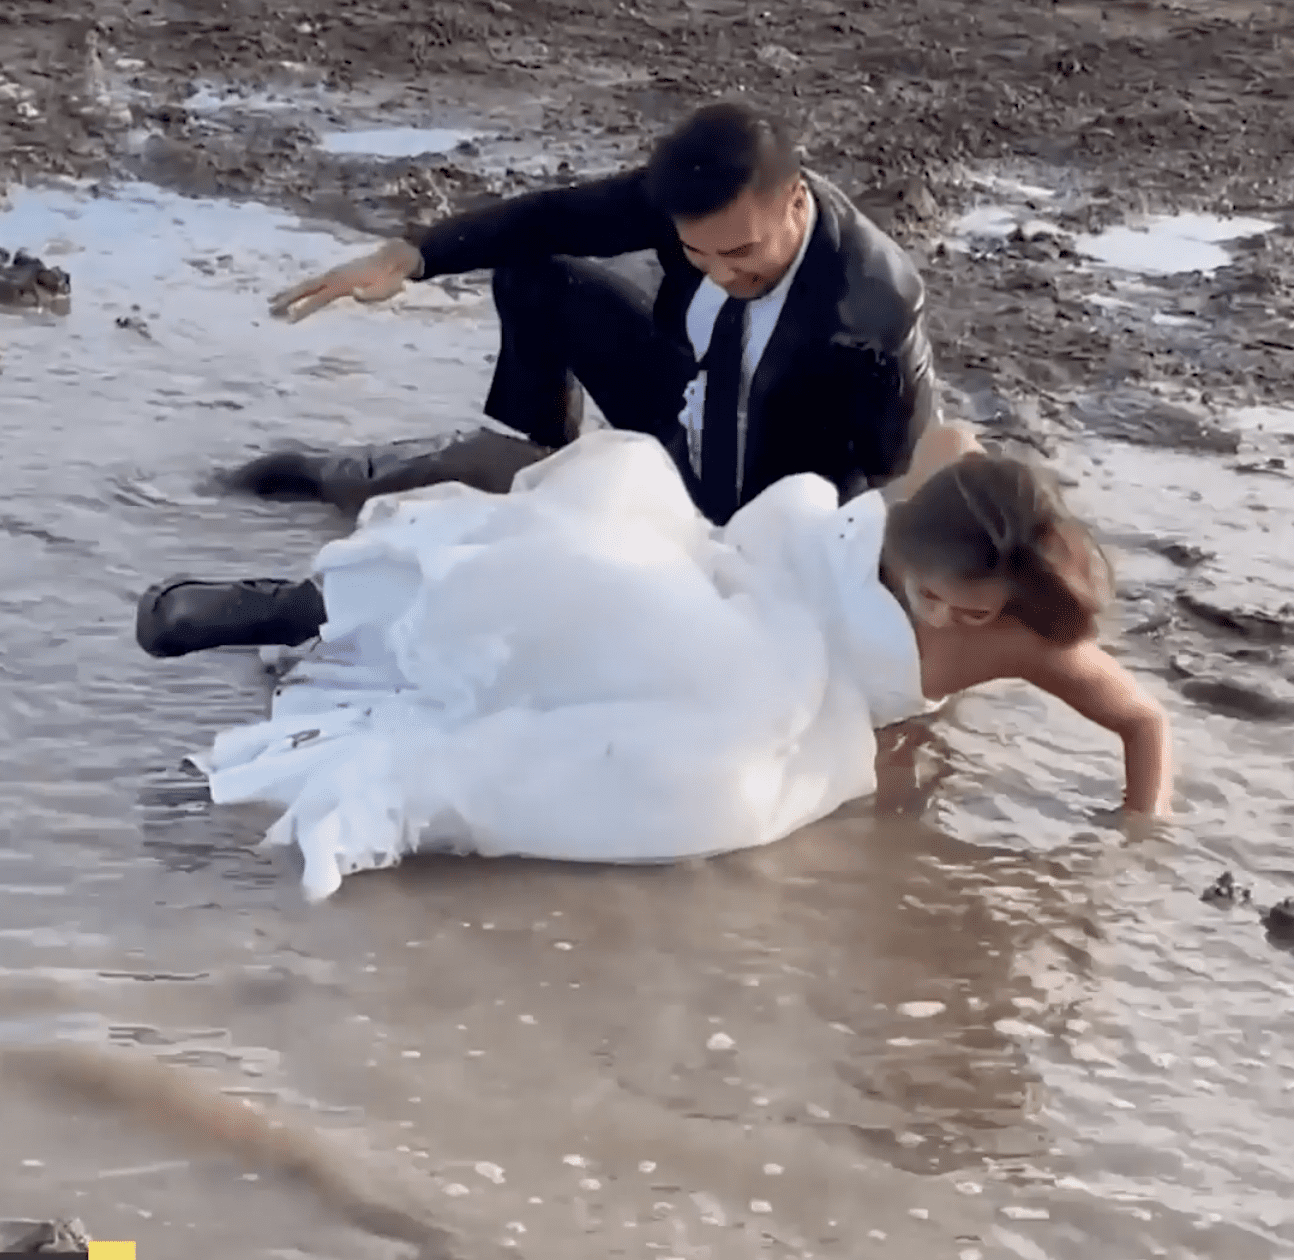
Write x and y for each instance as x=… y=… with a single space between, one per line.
x=584 y=669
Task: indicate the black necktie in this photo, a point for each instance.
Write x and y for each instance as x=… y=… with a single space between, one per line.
x=722 y=363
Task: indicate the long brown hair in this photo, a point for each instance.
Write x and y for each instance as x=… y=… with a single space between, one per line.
x=990 y=516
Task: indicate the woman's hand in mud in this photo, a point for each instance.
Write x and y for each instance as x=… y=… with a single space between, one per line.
x=1147 y=826
x=1136 y=825
x=373 y=278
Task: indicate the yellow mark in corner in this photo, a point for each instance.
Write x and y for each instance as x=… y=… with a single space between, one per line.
x=112 y=1250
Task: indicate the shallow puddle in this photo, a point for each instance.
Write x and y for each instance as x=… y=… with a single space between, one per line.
x=395 y=142
x=1162 y=245
x=972 y=1018
x=1171 y=244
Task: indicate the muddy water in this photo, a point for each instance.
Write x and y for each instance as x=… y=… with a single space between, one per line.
x=969 y=1019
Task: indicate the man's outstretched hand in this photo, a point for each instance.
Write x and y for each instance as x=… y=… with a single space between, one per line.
x=373 y=278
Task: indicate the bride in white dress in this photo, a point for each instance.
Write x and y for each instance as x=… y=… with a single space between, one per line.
x=586 y=669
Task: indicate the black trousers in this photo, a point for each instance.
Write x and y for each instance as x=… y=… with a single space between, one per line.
x=565 y=323
x=564 y=318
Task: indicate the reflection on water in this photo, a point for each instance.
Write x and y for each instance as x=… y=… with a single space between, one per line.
x=394 y=142
x=1169 y=244
x=969 y=1017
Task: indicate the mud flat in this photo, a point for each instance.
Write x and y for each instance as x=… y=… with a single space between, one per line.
x=969 y=1020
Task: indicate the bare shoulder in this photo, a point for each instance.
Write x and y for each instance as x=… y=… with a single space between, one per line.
x=1088 y=679
x=956 y=658
x=1083 y=675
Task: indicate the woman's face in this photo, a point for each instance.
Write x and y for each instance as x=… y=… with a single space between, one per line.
x=943 y=601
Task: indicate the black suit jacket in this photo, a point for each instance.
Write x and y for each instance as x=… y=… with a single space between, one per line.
x=845 y=384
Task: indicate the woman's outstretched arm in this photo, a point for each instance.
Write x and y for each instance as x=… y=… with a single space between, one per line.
x=1094 y=684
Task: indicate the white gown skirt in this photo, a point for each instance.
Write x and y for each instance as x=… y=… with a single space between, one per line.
x=584 y=669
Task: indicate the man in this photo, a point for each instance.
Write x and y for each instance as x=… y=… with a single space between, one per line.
x=787 y=336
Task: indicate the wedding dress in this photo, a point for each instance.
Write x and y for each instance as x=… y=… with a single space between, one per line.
x=584 y=669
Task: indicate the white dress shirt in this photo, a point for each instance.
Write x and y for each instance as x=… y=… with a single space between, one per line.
x=762 y=314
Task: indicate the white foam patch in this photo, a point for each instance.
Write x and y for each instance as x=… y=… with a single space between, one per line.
x=394 y=142
x=1170 y=244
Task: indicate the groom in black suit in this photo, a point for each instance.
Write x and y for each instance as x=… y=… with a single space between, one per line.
x=787 y=336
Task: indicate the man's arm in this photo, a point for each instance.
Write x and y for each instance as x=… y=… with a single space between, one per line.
x=886 y=403
x=597 y=219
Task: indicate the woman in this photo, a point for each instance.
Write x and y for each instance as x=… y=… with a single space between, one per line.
x=586 y=669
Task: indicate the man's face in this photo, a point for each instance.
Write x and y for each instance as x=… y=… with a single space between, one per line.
x=746 y=247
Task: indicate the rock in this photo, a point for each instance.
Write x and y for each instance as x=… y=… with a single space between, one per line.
x=1224 y=890
x=1279 y=920
x=1258 y=624
x=26 y=282
x=133 y=323
x=41 y=1238
x=1186 y=555
x=782 y=59
x=1233 y=698
x=1152 y=624
x=1275 y=465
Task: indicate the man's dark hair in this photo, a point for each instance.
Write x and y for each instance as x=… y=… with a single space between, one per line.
x=714 y=156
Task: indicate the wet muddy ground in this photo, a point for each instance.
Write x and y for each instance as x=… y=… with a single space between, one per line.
x=967 y=1020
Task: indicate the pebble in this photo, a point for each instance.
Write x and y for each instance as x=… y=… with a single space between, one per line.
x=761 y=1206
x=921 y=1010
x=491 y=1172
x=720 y=1041
x=1018 y=1028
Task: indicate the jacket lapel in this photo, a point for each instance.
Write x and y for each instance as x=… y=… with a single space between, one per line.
x=814 y=290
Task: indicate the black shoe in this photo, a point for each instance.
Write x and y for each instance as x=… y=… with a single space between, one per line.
x=183 y=615
x=287 y=474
